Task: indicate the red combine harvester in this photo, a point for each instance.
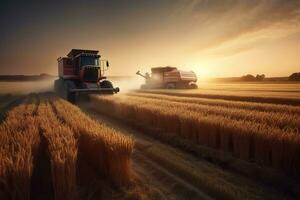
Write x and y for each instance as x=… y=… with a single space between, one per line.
x=82 y=72
x=170 y=78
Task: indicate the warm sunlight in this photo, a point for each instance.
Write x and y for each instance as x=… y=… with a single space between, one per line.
x=203 y=72
x=150 y=99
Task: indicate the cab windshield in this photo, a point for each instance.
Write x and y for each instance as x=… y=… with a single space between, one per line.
x=89 y=60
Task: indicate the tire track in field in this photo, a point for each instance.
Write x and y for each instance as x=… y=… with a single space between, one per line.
x=179 y=187
x=41 y=183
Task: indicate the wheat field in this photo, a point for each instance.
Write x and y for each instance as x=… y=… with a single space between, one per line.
x=63 y=131
x=51 y=149
x=266 y=134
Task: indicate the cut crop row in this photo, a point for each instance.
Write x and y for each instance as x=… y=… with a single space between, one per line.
x=258 y=99
x=62 y=148
x=19 y=140
x=278 y=120
x=103 y=147
x=246 y=140
x=294 y=110
x=39 y=147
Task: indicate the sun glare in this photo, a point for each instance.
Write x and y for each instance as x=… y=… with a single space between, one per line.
x=203 y=72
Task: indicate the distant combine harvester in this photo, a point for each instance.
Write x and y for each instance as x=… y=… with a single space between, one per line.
x=169 y=78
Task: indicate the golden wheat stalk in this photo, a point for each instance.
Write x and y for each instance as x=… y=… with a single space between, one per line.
x=246 y=139
x=19 y=140
x=106 y=149
x=224 y=103
x=62 y=147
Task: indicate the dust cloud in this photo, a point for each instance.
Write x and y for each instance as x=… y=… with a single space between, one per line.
x=26 y=87
x=127 y=83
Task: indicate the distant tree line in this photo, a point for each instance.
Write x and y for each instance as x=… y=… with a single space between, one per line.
x=262 y=77
x=249 y=77
x=295 y=77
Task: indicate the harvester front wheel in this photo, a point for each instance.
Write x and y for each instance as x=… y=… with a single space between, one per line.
x=57 y=86
x=107 y=84
x=193 y=86
x=171 y=86
x=67 y=94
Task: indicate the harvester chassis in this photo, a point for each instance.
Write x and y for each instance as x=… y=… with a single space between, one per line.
x=70 y=89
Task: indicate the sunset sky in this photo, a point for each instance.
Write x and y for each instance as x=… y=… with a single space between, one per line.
x=215 y=38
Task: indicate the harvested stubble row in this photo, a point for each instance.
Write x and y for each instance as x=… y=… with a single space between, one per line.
x=62 y=148
x=246 y=139
x=104 y=148
x=282 y=120
x=19 y=140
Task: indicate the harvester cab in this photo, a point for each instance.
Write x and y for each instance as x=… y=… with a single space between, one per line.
x=82 y=71
x=170 y=78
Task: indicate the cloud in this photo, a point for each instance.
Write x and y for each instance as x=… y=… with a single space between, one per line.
x=223 y=21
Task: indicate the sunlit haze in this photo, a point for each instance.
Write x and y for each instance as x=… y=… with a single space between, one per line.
x=214 y=38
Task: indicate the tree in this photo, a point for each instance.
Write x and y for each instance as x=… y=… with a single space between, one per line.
x=295 y=77
x=248 y=77
x=260 y=77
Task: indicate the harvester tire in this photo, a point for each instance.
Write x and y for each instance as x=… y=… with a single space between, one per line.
x=107 y=84
x=69 y=96
x=193 y=86
x=58 y=87
x=171 y=86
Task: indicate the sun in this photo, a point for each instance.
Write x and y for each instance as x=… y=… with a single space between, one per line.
x=204 y=72
x=204 y=68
